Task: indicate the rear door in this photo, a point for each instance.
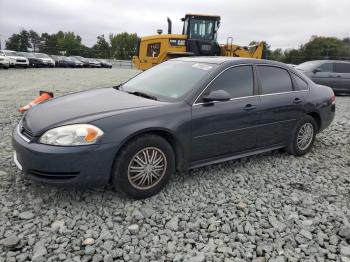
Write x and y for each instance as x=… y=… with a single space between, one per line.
x=228 y=127
x=342 y=71
x=281 y=106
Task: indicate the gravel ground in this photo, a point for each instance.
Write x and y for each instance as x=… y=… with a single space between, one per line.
x=269 y=207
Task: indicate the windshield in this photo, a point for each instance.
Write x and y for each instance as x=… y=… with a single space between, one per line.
x=10 y=53
x=28 y=55
x=308 y=66
x=202 y=29
x=39 y=55
x=170 y=80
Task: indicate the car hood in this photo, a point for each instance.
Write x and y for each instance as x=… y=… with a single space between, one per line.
x=82 y=107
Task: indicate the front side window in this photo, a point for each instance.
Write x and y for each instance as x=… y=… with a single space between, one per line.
x=328 y=67
x=153 y=50
x=237 y=81
x=342 y=68
x=274 y=80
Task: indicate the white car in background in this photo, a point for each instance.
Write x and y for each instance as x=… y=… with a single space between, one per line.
x=4 y=61
x=47 y=61
x=15 y=59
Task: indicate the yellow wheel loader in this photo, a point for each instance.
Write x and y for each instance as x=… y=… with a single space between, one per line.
x=198 y=38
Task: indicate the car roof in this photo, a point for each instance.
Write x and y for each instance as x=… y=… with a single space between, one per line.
x=328 y=61
x=228 y=60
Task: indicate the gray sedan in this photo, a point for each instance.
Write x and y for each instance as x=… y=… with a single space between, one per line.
x=332 y=73
x=181 y=114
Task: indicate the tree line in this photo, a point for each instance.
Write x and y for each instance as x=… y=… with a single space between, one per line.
x=118 y=46
x=317 y=48
x=123 y=46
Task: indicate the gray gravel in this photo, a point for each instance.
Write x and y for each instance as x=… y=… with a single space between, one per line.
x=269 y=207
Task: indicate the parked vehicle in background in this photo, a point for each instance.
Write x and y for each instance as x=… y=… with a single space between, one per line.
x=63 y=61
x=47 y=60
x=15 y=59
x=76 y=61
x=33 y=60
x=84 y=60
x=332 y=73
x=56 y=59
x=181 y=114
x=94 y=63
x=4 y=61
x=105 y=63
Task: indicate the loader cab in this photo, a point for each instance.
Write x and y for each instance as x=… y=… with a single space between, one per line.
x=201 y=32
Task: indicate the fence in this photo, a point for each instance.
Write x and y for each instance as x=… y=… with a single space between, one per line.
x=121 y=63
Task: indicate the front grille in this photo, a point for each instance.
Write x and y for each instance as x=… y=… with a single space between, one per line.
x=20 y=60
x=53 y=175
x=27 y=133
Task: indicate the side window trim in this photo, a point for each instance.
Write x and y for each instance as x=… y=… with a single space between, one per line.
x=295 y=85
x=255 y=93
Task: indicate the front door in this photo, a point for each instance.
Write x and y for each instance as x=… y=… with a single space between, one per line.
x=229 y=127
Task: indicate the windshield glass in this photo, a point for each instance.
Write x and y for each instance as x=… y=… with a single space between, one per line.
x=170 y=80
x=39 y=55
x=308 y=66
x=28 y=55
x=202 y=29
x=9 y=53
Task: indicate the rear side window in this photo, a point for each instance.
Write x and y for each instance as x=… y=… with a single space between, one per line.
x=342 y=68
x=301 y=84
x=237 y=81
x=327 y=67
x=274 y=80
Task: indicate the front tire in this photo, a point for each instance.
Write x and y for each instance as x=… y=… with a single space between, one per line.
x=303 y=138
x=144 y=166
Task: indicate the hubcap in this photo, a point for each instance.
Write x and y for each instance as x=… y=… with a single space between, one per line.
x=147 y=168
x=305 y=136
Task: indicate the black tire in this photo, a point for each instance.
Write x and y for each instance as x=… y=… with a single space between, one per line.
x=120 y=176
x=294 y=148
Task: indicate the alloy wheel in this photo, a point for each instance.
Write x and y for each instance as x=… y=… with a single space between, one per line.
x=147 y=168
x=305 y=136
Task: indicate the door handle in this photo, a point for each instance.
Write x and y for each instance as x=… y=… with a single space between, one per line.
x=297 y=100
x=338 y=75
x=249 y=107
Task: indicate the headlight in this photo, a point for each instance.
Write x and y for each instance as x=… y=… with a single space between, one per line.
x=72 y=135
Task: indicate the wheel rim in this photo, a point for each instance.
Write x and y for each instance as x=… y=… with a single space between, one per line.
x=147 y=168
x=305 y=136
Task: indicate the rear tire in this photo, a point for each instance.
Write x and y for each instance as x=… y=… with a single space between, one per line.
x=144 y=166
x=303 y=137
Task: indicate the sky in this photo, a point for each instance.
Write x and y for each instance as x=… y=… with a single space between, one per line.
x=283 y=24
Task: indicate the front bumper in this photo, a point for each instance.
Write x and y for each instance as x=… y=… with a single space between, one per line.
x=80 y=166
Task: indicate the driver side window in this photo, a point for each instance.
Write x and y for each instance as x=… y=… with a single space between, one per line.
x=328 y=67
x=237 y=81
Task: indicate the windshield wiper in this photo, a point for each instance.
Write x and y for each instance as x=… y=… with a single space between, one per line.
x=138 y=93
x=118 y=87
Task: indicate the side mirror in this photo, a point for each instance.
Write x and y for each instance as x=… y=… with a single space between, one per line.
x=217 y=95
x=317 y=70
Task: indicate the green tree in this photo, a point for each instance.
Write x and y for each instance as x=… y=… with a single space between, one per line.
x=66 y=43
x=102 y=48
x=19 y=42
x=123 y=45
x=34 y=40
